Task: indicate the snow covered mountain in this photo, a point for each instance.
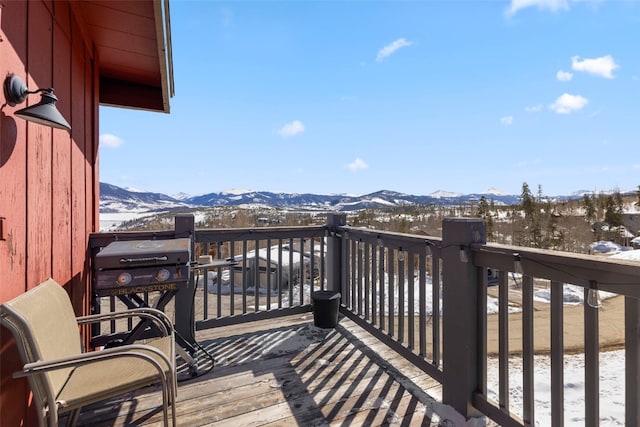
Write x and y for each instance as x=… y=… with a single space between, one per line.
x=115 y=199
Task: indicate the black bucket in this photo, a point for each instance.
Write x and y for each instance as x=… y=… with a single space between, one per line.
x=326 y=305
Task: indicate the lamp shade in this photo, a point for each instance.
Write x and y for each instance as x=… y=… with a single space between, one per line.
x=45 y=112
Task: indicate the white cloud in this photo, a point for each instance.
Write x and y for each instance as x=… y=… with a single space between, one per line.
x=392 y=48
x=602 y=66
x=564 y=76
x=506 y=120
x=110 y=140
x=291 y=129
x=567 y=103
x=533 y=108
x=357 y=165
x=552 y=5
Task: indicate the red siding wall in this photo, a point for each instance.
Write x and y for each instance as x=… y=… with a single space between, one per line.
x=48 y=177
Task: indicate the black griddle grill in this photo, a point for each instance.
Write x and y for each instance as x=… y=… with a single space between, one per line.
x=127 y=268
x=135 y=266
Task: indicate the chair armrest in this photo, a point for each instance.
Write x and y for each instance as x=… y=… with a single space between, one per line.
x=157 y=316
x=139 y=351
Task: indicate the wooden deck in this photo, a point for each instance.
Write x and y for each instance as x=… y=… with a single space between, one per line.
x=287 y=372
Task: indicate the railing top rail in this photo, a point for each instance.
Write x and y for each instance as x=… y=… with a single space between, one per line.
x=204 y=235
x=614 y=275
x=391 y=238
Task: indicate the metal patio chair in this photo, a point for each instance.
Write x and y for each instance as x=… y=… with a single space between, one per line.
x=63 y=377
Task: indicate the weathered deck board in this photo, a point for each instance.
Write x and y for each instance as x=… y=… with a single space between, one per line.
x=286 y=372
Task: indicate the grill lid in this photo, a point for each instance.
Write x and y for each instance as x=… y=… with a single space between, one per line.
x=140 y=253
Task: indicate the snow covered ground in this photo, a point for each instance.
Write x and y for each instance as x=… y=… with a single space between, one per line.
x=612 y=378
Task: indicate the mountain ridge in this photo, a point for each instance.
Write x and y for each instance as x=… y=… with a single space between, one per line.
x=114 y=199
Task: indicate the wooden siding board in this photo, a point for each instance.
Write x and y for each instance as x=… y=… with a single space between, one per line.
x=89 y=178
x=62 y=16
x=13 y=161
x=13 y=202
x=78 y=123
x=39 y=67
x=61 y=162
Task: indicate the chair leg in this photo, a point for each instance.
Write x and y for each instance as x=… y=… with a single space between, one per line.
x=53 y=415
x=166 y=396
x=174 y=396
x=73 y=417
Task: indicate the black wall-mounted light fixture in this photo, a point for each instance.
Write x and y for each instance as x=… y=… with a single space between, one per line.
x=44 y=112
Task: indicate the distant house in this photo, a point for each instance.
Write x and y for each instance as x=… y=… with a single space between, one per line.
x=271 y=269
x=92 y=53
x=632 y=222
x=270 y=261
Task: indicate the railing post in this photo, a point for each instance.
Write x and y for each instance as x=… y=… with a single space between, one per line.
x=184 y=325
x=334 y=252
x=460 y=313
x=632 y=360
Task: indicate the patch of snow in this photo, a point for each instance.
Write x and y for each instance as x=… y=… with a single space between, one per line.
x=236 y=191
x=496 y=192
x=441 y=194
x=135 y=190
x=633 y=255
x=604 y=247
x=612 y=379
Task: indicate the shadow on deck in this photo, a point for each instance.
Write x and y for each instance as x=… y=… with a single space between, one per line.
x=288 y=372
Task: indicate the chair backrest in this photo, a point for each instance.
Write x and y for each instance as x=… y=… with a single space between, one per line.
x=43 y=323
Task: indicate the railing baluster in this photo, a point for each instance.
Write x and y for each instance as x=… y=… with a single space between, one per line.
x=411 y=297
x=267 y=273
x=256 y=276
x=301 y=271
x=359 y=276
x=422 y=298
x=367 y=283
x=482 y=330
x=312 y=264
x=632 y=361
x=503 y=339
x=591 y=364
x=557 y=354
x=528 y=401
x=391 y=291
x=435 y=310
x=232 y=289
x=402 y=310
x=290 y=270
x=112 y=308
x=218 y=281
x=323 y=264
x=381 y=285
x=244 y=277
x=353 y=268
x=279 y=273
x=374 y=284
x=344 y=274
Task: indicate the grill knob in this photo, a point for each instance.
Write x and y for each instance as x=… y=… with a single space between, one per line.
x=163 y=275
x=124 y=278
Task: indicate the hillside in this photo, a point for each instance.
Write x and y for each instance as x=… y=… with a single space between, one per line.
x=115 y=199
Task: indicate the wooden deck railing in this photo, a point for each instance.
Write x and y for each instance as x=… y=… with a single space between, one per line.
x=425 y=297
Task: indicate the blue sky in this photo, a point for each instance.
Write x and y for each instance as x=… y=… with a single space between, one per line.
x=412 y=96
